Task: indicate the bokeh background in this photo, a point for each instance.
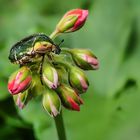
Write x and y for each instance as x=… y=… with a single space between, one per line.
x=111 y=109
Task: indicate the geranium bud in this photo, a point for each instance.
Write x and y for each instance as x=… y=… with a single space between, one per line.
x=20 y=80
x=36 y=89
x=85 y=59
x=69 y=97
x=22 y=99
x=78 y=80
x=51 y=102
x=72 y=20
x=50 y=76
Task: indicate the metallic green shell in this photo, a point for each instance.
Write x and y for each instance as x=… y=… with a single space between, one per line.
x=21 y=49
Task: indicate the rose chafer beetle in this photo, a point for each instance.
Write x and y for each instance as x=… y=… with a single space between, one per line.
x=29 y=49
x=32 y=47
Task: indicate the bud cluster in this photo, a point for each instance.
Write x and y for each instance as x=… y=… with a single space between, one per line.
x=62 y=80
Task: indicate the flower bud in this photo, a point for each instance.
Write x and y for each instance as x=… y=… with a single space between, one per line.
x=51 y=102
x=69 y=97
x=20 y=80
x=72 y=21
x=78 y=80
x=85 y=59
x=36 y=89
x=22 y=99
x=50 y=76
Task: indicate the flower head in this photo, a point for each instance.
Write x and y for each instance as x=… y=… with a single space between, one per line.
x=57 y=76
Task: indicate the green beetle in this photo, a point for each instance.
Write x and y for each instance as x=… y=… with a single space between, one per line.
x=32 y=47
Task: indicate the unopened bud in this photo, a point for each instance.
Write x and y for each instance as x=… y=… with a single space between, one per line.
x=36 y=89
x=85 y=59
x=22 y=99
x=51 y=102
x=72 y=21
x=69 y=97
x=78 y=80
x=50 y=76
x=20 y=80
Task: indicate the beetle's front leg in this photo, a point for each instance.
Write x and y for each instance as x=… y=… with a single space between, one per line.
x=41 y=68
x=57 y=47
x=33 y=44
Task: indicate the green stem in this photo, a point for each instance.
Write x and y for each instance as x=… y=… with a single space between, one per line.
x=59 y=118
x=66 y=50
x=60 y=127
x=64 y=64
x=54 y=34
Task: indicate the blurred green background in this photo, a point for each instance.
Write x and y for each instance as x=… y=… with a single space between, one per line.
x=111 y=105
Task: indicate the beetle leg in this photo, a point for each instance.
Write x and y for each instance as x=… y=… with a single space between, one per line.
x=58 y=50
x=20 y=65
x=50 y=56
x=41 y=68
x=32 y=52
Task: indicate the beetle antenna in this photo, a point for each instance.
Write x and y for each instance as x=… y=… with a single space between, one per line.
x=61 y=42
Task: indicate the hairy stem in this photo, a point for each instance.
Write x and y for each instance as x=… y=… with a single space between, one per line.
x=60 y=127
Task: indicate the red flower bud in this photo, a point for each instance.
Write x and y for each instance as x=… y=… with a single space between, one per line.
x=72 y=20
x=20 y=80
x=69 y=97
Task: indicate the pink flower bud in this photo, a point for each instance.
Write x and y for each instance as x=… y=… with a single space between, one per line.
x=22 y=99
x=69 y=97
x=85 y=59
x=78 y=80
x=50 y=76
x=51 y=102
x=20 y=80
x=72 y=20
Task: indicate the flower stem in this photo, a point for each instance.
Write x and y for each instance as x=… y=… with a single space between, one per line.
x=66 y=50
x=60 y=127
x=59 y=118
x=54 y=34
x=66 y=65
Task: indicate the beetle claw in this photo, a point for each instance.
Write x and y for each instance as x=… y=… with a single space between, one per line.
x=58 y=50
